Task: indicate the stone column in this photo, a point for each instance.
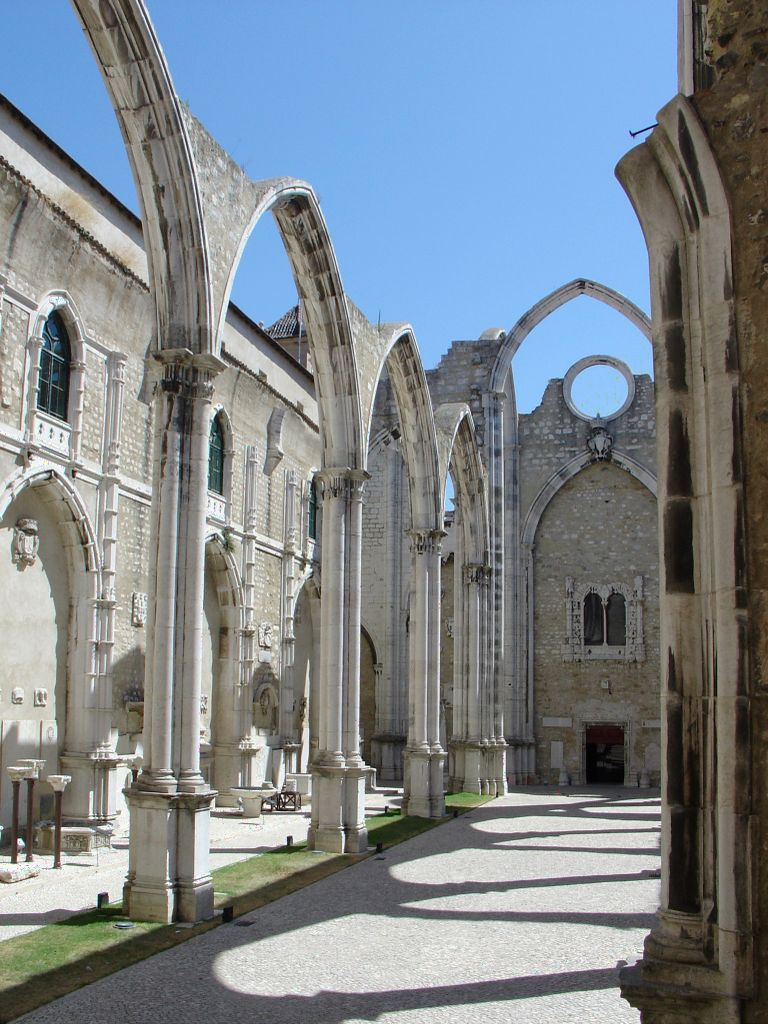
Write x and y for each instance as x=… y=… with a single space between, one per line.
x=424 y=755
x=77 y=371
x=475 y=577
x=338 y=785
x=169 y=876
x=291 y=742
x=355 y=832
x=437 y=754
x=499 y=504
x=107 y=763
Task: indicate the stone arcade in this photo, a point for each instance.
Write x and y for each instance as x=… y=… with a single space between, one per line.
x=227 y=552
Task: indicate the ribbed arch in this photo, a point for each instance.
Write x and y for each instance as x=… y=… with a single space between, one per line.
x=139 y=84
x=402 y=359
x=304 y=234
x=458 y=452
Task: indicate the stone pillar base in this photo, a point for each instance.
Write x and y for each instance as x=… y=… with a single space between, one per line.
x=387 y=754
x=680 y=1001
x=194 y=901
x=437 y=759
x=338 y=809
x=168 y=876
x=498 y=758
x=326 y=831
x=416 y=794
x=676 y=981
x=91 y=796
x=355 y=831
x=468 y=759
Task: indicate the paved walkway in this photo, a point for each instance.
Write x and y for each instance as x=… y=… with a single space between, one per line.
x=519 y=911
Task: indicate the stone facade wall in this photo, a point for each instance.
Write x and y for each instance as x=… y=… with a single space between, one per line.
x=734 y=112
x=599 y=528
x=107 y=308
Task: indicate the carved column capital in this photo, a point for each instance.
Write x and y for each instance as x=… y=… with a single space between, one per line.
x=343 y=482
x=477 y=573
x=426 y=542
x=188 y=374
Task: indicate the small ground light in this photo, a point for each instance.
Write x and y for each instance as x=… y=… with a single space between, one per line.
x=455 y=813
x=102 y=899
x=386 y=808
x=289 y=840
x=379 y=847
x=227 y=913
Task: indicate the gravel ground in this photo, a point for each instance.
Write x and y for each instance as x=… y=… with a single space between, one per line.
x=521 y=910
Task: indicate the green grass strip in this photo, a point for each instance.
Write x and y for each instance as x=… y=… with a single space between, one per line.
x=59 y=958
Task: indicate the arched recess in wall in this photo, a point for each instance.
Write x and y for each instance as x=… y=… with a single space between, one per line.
x=225 y=722
x=369 y=665
x=566 y=473
x=50 y=573
x=306 y=628
x=137 y=78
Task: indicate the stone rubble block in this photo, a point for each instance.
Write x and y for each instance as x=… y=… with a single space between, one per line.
x=11 y=873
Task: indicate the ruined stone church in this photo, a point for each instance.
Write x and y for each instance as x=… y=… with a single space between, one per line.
x=226 y=554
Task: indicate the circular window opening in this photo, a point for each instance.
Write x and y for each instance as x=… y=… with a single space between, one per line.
x=599 y=392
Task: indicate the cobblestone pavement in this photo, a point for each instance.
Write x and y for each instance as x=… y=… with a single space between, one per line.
x=56 y=894
x=521 y=910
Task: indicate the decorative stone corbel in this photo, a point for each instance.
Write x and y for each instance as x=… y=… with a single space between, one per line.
x=274 y=440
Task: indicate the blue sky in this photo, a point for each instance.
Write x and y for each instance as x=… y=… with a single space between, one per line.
x=462 y=150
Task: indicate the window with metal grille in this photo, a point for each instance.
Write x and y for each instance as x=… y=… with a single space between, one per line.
x=216 y=457
x=55 y=358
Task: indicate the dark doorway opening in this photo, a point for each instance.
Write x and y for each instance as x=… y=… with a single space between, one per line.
x=605 y=754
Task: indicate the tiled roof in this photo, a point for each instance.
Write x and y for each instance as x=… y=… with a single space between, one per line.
x=290 y=325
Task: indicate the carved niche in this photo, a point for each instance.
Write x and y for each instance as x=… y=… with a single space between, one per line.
x=26 y=541
x=41 y=698
x=265 y=635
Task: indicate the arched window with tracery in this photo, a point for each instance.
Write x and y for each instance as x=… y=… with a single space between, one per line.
x=603 y=621
x=55 y=360
x=216 y=456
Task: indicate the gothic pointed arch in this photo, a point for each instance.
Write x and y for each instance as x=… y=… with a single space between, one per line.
x=544 y=307
x=400 y=355
x=568 y=472
x=139 y=84
x=308 y=245
x=458 y=453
